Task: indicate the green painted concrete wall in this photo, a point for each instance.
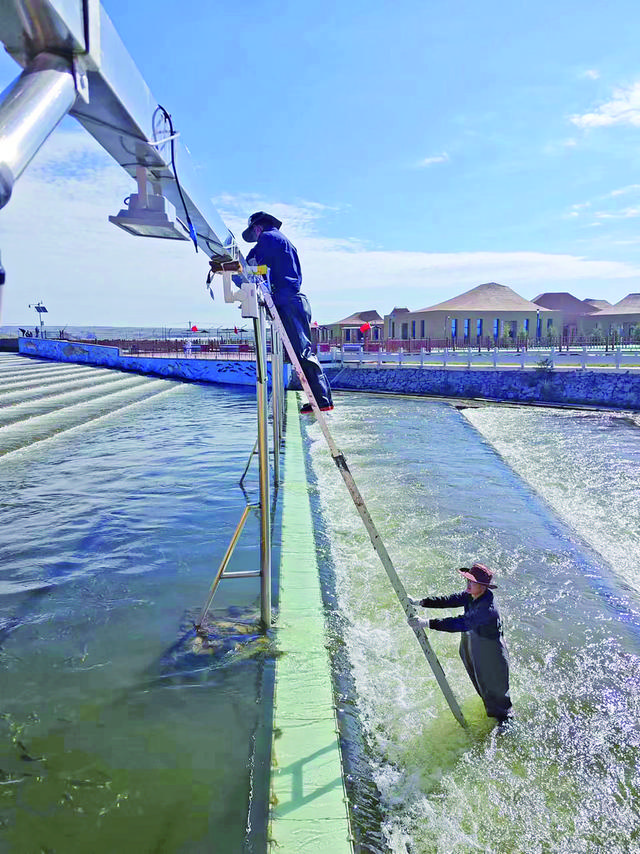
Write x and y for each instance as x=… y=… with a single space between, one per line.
x=309 y=812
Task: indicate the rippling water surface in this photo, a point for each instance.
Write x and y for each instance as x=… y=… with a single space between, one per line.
x=549 y=499
x=113 y=736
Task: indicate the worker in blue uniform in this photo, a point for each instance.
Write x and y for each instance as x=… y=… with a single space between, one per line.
x=482 y=647
x=279 y=254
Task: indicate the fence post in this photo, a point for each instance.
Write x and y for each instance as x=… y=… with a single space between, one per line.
x=400 y=352
x=552 y=353
x=522 y=358
x=360 y=359
x=379 y=356
x=584 y=358
x=445 y=353
x=618 y=356
x=422 y=357
x=469 y=357
x=495 y=357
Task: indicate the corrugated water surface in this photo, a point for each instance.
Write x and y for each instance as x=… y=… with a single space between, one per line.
x=113 y=737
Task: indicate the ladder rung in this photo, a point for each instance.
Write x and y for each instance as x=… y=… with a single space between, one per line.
x=250 y=573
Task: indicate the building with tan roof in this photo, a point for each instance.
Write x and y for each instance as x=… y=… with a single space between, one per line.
x=597 y=303
x=573 y=311
x=486 y=312
x=349 y=331
x=621 y=319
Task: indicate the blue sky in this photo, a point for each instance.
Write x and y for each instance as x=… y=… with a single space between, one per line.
x=413 y=150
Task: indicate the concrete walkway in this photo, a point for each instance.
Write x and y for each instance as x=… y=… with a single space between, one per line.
x=309 y=813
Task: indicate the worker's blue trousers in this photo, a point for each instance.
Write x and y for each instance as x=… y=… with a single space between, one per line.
x=295 y=314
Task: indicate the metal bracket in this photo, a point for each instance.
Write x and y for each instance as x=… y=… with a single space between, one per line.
x=246 y=294
x=81 y=78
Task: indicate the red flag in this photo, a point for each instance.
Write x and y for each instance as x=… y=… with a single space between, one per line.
x=194 y=328
x=365 y=327
x=235 y=329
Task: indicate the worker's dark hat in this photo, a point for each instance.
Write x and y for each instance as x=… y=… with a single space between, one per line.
x=259 y=218
x=480 y=574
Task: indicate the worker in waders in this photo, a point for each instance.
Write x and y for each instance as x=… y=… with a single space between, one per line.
x=482 y=647
x=281 y=257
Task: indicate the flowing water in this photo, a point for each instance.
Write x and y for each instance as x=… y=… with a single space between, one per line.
x=118 y=498
x=550 y=500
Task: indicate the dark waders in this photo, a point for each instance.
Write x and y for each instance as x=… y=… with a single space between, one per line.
x=487 y=662
x=295 y=315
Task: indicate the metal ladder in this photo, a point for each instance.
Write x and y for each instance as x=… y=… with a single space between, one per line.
x=254 y=295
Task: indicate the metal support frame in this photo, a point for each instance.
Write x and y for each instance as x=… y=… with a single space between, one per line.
x=247 y=297
x=223 y=565
x=260 y=333
x=276 y=401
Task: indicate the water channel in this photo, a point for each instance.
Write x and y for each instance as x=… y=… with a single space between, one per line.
x=116 y=509
x=549 y=499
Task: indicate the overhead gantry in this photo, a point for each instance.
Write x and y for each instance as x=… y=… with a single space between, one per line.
x=75 y=63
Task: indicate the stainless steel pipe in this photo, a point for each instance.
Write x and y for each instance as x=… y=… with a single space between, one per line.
x=30 y=108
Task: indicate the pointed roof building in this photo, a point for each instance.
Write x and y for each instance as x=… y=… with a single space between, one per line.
x=360 y=317
x=628 y=305
x=488 y=297
x=597 y=304
x=563 y=301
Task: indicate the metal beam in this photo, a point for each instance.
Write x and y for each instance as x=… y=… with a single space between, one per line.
x=117 y=107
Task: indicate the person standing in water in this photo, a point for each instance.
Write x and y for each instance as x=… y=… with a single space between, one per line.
x=482 y=647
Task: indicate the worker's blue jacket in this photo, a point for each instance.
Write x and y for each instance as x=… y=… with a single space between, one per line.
x=281 y=257
x=480 y=615
x=482 y=647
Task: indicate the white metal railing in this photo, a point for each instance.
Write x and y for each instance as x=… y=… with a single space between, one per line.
x=575 y=358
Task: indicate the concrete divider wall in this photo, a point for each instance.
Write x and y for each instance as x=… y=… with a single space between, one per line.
x=619 y=389
x=229 y=372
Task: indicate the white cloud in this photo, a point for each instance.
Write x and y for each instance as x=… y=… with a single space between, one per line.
x=559 y=147
x=58 y=246
x=591 y=74
x=630 y=188
x=432 y=161
x=625 y=213
x=623 y=109
x=580 y=206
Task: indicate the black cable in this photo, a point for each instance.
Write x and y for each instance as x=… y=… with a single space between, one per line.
x=192 y=231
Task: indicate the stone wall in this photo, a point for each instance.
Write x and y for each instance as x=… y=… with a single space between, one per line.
x=617 y=389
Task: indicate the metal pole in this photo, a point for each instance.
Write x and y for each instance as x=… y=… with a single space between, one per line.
x=276 y=383
x=260 y=333
x=30 y=109
x=281 y=370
